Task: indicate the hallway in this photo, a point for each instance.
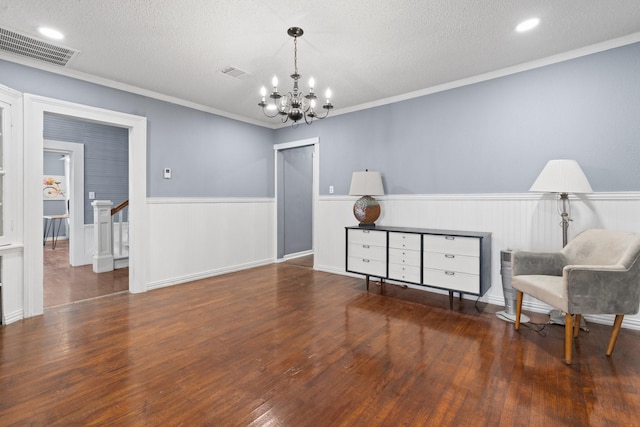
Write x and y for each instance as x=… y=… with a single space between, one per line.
x=64 y=284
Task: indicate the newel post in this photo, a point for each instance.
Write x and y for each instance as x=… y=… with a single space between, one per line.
x=102 y=236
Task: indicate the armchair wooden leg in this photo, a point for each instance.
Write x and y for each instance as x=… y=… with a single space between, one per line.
x=617 y=324
x=568 y=337
x=518 y=309
x=576 y=325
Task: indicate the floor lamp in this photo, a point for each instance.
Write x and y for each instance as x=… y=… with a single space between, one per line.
x=562 y=177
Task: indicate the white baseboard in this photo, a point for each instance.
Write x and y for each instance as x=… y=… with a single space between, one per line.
x=296 y=255
x=12 y=317
x=205 y=274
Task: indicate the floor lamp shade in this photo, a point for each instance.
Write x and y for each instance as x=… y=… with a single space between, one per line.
x=562 y=177
x=366 y=184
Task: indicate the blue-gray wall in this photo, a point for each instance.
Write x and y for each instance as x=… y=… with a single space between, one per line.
x=489 y=137
x=211 y=156
x=494 y=136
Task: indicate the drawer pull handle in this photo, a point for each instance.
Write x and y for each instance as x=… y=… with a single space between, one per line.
x=450 y=273
x=450 y=237
x=365 y=231
x=449 y=256
x=365 y=246
x=365 y=260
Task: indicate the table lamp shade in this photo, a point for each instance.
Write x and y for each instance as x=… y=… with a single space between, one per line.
x=366 y=184
x=562 y=176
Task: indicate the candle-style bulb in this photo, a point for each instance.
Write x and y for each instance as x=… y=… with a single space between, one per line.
x=263 y=91
x=327 y=94
x=312 y=84
x=274 y=81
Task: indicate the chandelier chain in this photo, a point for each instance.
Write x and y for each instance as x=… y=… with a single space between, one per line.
x=295 y=55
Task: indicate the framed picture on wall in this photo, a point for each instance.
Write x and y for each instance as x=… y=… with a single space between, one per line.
x=54 y=187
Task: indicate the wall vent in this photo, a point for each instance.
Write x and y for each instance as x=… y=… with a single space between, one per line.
x=234 y=72
x=30 y=47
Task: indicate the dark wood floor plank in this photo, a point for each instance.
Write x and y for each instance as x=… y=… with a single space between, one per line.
x=64 y=284
x=284 y=345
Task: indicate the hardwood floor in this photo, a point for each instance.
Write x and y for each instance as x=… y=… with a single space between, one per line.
x=283 y=345
x=64 y=284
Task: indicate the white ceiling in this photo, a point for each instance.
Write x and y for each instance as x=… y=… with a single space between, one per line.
x=367 y=51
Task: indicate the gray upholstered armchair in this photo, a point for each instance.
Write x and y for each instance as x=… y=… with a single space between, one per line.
x=598 y=272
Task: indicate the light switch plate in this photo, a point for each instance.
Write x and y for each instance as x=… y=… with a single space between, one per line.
x=167 y=173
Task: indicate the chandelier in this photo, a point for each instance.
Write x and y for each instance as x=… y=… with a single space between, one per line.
x=294 y=105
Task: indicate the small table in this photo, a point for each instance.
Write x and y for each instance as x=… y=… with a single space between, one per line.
x=50 y=224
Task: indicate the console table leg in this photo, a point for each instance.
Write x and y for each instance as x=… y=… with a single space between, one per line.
x=367 y=283
x=450 y=300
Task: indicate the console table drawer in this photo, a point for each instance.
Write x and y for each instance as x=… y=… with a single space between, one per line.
x=368 y=251
x=455 y=281
x=452 y=245
x=408 y=273
x=451 y=262
x=370 y=267
x=404 y=256
x=404 y=241
x=368 y=237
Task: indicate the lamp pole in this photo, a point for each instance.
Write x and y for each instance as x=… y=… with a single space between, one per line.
x=564 y=199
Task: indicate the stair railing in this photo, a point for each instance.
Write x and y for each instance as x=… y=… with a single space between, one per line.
x=119 y=210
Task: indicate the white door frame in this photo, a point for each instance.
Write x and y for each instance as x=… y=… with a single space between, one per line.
x=315 y=185
x=76 y=191
x=34 y=109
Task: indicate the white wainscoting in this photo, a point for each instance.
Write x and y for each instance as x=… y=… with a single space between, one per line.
x=194 y=238
x=87 y=253
x=522 y=221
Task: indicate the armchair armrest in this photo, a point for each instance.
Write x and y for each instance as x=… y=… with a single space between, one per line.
x=602 y=289
x=537 y=263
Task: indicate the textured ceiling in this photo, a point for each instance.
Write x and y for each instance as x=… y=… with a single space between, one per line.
x=366 y=51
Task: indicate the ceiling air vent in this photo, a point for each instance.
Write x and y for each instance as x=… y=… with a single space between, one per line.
x=234 y=72
x=30 y=47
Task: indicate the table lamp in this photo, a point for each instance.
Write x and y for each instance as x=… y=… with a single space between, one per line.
x=366 y=184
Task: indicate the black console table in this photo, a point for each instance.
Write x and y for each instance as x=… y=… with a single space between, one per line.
x=456 y=261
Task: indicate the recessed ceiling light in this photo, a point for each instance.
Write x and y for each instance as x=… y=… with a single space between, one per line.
x=527 y=25
x=51 y=33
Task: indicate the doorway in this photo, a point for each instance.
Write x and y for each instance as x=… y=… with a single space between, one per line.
x=67 y=261
x=68 y=157
x=35 y=108
x=297 y=191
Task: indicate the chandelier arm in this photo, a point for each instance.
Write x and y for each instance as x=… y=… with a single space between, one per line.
x=264 y=110
x=324 y=116
x=306 y=120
